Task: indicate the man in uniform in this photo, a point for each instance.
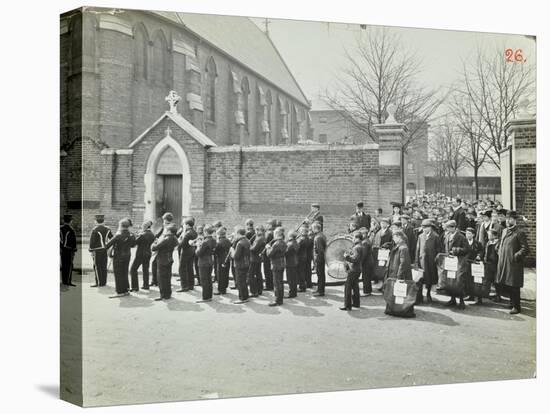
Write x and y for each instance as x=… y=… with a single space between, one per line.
x=67 y=244
x=144 y=240
x=205 y=251
x=353 y=259
x=276 y=253
x=303 y=246
x=512 y=250
x=186 y=255
x=221 y=252
x=165 y=246
x=267 y=263
x=167 y=218
x=241 y=258
x=255 y=278
x=319 y=248
x=363 y=219
x=100 y=236
x=367 y=264
x=459 y=215
x=291 y=262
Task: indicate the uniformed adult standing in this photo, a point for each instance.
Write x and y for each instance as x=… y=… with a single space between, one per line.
x=100 y=236
x=511 y=252
x=267 y=263
x=351 y=287
x=167 y=218
x=164 y=246
x=316 y=214
x=276 y=253
x=255 y=278
x=367 y=264
x=428 y=247
x=241 y=259
x=291 y=262
x=222 y=250
x=186 y=256
x=205 y=251
x=309 y=257
x=122 y=243
x=319 y=248
x=363 y=219
x=303 y=245
x=67 y=245
x=144 y=240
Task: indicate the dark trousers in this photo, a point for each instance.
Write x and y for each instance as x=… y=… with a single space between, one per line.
x=101 y=267
x=302 y=274
x=309 y=283
x=185 y=271
x=143 y=261
x=120 y=268
x=242 y=286
x=351 y=290
x=197 y=273
x=164 y=272
x=205 y=273
x=215 y=266
x=255 y=280
x=278 y=285
x=154 y=268
x=223 y=277
x=268 y=275
x=66 y=267
x=292 y=281
x=515 y=297
x=234 y=273
x=321 y=277
x=367 y=278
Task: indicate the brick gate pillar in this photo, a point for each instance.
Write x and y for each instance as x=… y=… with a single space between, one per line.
x=390 y=173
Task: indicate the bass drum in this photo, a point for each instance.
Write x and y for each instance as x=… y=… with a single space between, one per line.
x=334 y=257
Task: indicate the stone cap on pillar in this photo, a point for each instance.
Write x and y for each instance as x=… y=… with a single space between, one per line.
x=525 y=118
x=391 y=131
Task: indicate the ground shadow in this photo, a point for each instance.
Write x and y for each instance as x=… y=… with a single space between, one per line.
x=310 y=300
x=262 y=307
x=182 y=306
x=49 y=389
x=133 y=301
x=364 y=312
x=222 y=307
x=424 y=315
x=304 y=311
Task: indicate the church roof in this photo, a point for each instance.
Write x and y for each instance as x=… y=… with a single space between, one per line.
x=241 y=39
x=184 y=124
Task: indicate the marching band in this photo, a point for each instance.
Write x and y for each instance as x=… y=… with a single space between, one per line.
x=460 y=248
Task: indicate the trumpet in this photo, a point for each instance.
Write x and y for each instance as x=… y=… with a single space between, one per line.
x=197 y=242
x=311 y=216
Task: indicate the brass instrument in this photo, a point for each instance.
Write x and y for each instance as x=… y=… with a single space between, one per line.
x=311 y=216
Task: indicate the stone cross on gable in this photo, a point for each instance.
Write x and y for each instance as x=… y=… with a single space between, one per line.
x=173 y=98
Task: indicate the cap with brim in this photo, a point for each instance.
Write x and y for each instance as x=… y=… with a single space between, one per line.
x=385 y=219
x=487 y=213
x=502 y=211
x=405 y=216
x=99 y=216
x=315 y=205
x=427 y=223
x=512 y=214
x=471 y=230
x=189 y=222
x=360 y=204
x=396 y=204
x=450 y=223
x=67 y=217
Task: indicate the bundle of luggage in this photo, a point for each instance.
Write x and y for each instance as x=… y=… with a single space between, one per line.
x=400 y=297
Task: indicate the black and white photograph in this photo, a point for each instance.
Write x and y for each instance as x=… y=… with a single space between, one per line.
x=272 y=205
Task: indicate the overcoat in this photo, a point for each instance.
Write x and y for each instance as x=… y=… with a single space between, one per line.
x=457 y=245
x=399 y=263
x=427 y=248
x=512 y=250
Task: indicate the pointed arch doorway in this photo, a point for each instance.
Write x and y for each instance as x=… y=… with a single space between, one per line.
x=167 y=181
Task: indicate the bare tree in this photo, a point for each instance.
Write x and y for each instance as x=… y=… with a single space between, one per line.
x=495 y=87
x=380 y=72
x=473 y=128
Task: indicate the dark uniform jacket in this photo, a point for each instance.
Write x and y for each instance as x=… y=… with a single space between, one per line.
x=185 y=250
x=249 y=234
x=122 y=244
x=367 y=254
x=67 y=239
x=363 y=220
x=291 y=255
x=241 y=256
x=320 y=219
x=382 y=238
x=399 y=263
x=476 y=249
x=511 y=251
x=427 y=248
x=277 y=255
x=459 y=216
x=257 y=247
x=100 y=236
x=205 y=251
x=165 y=247
x=222 y=249
x=354 y=258
x=303 y=246
x=143 y=242
x=411 y=239
x=319 y=248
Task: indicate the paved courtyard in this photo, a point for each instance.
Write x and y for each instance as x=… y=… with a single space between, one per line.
x=136 y=350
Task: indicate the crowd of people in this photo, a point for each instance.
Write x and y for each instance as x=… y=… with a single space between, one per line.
x=411 y=239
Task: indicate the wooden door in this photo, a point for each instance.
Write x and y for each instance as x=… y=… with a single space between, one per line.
x=171 y=196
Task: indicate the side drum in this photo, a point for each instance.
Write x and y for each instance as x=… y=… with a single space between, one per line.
x=334 y=257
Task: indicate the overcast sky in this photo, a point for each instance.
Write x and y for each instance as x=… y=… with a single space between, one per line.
x=314 y=50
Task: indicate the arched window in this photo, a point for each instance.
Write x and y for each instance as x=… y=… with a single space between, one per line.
x=140 y=53
x=293 y=124
x=288 y=125
x=268 y=109
x=160 y=59
x=210 y=74
x=245 y=88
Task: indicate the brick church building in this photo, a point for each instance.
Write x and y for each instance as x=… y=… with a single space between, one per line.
x=199 y=115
